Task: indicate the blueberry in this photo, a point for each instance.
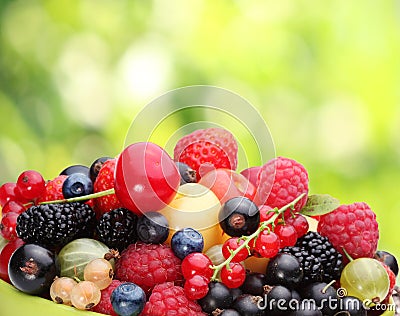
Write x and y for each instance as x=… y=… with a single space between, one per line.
x=96 y=166
x=152 y=228
x=186 y=241
x=75 y=169
x=128 y=299
x=239 y=216
x=77 y=184
x=32 y=269
x=188 y=175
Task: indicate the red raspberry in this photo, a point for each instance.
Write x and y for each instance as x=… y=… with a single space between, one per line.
x=104 y=306
x=148 y=265
x=281 y=180
x=105 y=181
x=352 y=227
x=53 y=190
x=215 y=145
x=168 y=299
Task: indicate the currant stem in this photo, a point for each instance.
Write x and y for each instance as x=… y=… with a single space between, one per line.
x=247 y=239
x=82 y=198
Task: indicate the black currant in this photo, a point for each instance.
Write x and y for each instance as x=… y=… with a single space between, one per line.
x=218 y=296
x=236 y=292
x=249 y=305
x=324 y=296
x=152 y=228
x=278 y=301
x=239 y=216
x=284 y=269
x=226 y=312
x=32 y=269
x=188 y=175
x=75 y=169
x=388 y=259
x=307 y=308
x=96 y=166
x=254 y=283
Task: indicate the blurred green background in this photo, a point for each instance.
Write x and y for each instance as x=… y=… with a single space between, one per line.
x=325 y=75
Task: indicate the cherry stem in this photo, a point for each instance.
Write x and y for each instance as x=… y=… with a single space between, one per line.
x=247 y=239
x=82 y=198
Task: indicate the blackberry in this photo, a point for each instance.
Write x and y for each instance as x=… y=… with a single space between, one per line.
x=312 y=267
x=321 y=248
x=117 y=228
x=54 y=225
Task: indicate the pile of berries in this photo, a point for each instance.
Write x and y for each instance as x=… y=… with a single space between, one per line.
x=146 y=234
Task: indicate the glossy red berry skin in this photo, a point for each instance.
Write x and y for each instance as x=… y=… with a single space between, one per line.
x=299 y=222
x=267 y=244
x=7 y=226
x=13 y=207
x=196 y=287
x=287 y=235
x=30 y=184
x=7 y=193
x=5 y=255
x=234 y=276
x=196 y=263
x=146 y=178
x=232 y=244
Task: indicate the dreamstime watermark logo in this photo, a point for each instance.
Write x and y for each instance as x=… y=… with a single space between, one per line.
x=331 y=303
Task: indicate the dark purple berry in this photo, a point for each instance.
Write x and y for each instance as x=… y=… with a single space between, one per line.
x=96 y=166
x=218 y=296
x=188 y=175
x=77 y=184
x=75 y=169
x=152 y=228
x=284 y=269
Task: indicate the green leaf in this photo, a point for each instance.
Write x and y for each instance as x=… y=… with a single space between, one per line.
x=320 y=204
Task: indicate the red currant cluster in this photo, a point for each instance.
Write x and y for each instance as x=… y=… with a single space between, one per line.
x=15 y=197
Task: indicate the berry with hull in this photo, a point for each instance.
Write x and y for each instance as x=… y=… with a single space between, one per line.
x=128 y=299
x=32 y=269
x=147 y=179
x=53 y=190
x=148 y=265
x=281 y=180
x=353 y=228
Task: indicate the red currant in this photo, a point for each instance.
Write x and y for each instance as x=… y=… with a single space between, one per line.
x=7 y=226
x=299 y=222
x=234 y=276
x=287 y=234
x=5 y=255
x=146 y=178
x=196 y=263
x=232 y=244
x=196 y=287
x=13 y=207
x=30 y=184
x=7 y=193
x=267 y=244
x=266 y=212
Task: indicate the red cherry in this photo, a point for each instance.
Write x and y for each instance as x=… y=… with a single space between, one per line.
x=287 y=235
x=232 y=244
x=7 y=226
x=267 y=244
x=13 y=207
x=146 y=178
x=5 y=255
x=30 y=184
x=299 y=222
x=196 y=263
x=234 y=276
x=196 y=287
x=7 y=193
